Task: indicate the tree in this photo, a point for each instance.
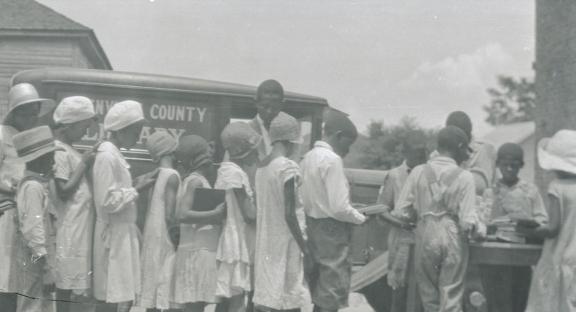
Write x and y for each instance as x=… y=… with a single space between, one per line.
x=513 y=100
x=382 y=147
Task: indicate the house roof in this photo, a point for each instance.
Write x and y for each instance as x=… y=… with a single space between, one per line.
x=21 y=18
x=511 y=133
x=31 y=15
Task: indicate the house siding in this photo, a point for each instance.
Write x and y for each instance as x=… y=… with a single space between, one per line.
x=21 y=53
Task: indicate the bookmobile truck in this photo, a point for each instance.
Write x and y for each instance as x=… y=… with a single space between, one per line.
x=194 y=106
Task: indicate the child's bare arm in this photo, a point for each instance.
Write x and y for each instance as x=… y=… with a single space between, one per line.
x=67 y=187
x=552 y=228
x=170 y=198
x=186 y=214
x=290 y=214
x=247 y=208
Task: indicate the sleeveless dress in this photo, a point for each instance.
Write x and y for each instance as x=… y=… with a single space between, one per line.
x=279 y=278
x=158 y=251
x=553 y=285
x=195 y=279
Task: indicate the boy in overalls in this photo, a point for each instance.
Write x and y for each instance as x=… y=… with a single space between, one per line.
x=442 y=196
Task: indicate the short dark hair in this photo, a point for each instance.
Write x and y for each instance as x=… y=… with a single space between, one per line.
x=511 y=150
x=450 y=138
x=461 y=120
x=339 y=122
x=270 y=86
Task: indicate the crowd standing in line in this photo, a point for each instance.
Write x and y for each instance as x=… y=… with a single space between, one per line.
x=281 y=238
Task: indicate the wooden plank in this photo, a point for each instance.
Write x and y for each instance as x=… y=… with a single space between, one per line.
x=495 y=253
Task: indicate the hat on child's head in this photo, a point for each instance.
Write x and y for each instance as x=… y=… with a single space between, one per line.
x=73 y=109
x=161 y=143
x=511 y=150
x=450 y=137
x=461 y=120
x=285 y=128
x=34 y=143
x=197 y=149
x=239 y=139
x=122 y=115
x=558 y=152
x=23 y=94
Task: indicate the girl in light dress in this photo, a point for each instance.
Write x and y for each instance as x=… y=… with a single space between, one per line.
x=280 y=246
x=195 y=272
x=158 y=251
x=553 y=285
x=74 y=205
x=236 y=246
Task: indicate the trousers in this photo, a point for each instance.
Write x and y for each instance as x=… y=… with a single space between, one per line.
x=441 y=261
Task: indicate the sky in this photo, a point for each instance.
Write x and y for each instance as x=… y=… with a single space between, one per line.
x=374 y=59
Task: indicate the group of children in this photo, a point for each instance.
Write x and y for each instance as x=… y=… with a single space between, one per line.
x=467 y=191
x=282 y=237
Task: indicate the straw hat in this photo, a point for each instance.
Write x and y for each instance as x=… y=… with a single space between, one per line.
x=239 y=139
x=285 y=128
x=558 y=152
x=73 y=109
x=161 y=143
x=25 y=93
x=122 y=115
x=34 y=143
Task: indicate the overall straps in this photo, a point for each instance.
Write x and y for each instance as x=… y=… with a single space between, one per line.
x=438 y=186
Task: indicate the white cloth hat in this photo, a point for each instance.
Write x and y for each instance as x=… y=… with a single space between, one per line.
x=161 y=143
x=239 y=139
x=34 y=143
x=558 y=152
x=285 y=128
x=73 y=109
x=122 y=115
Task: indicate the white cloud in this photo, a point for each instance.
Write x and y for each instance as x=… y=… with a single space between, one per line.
x=464 y=72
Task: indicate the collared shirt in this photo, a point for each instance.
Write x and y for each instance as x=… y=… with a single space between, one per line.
x=519 y=201
x=392 y=185
x=325 y=190
x=33 y=213
x=265 y=146
x=460 y=196
x=482 y=160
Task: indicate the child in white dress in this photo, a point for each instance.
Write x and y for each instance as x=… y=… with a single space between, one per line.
x=235 y=248
x=195 y=272
x=279 y=268
x=553 y=285
x=158 y=251
x=74 y=204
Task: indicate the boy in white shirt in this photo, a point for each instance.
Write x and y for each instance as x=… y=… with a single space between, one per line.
x=325 y=195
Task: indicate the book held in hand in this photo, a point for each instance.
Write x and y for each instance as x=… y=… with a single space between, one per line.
x=206 y=199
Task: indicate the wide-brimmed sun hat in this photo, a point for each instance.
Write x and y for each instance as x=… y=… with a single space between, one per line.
x=23 y=94
x=558 y=152
x=285 y=128
x=34 y=143
x=122 y=115
x=73 y=109
x=239 y=139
